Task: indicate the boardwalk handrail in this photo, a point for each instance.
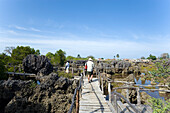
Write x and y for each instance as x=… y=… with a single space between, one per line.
x=115 y=94
x=138 y=89
x=121 y=96
x=12 y=73
x=76 y=95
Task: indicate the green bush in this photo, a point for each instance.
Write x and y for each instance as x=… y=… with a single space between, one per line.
x=33 y=84
x=2 y=70
x=159 y=106
x=63 y=74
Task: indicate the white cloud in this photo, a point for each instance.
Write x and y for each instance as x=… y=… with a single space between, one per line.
x=106 y=49
x=33 y=29
x=25 y=28
x=21 y=28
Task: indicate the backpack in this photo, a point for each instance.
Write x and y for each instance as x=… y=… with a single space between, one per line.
x=86 y=67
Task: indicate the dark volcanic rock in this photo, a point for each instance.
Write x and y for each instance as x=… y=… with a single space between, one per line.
x=8 y=89
x=53 y=95
x=123 y=64
x=37 y=64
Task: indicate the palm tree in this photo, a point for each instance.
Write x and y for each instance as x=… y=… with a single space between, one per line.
x=117 y=55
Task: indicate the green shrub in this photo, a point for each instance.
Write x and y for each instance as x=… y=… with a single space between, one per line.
x=33 y=84
x=2 y=70
x=63 y=74
x=159 y=106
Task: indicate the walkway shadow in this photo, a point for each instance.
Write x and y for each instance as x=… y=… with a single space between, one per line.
x=101 y=105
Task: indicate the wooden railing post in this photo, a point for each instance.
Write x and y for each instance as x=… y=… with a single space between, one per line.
x=77 y=101
x=109 y=91
x=115 y=104
x=127 y=92
x=72 y=68
x=96 y=72
x=138 y=97
x=102 y=84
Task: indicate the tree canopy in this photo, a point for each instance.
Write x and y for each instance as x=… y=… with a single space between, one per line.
x=152 y=57
x=60 y=57
x=117 y=55
x=20 y=52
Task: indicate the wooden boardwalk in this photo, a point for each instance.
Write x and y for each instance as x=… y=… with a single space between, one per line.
x=92 y=100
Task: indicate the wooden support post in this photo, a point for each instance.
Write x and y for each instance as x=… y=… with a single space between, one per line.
x=102 y=85
x=72 y=68
x=96 y=71
x=127 y=93
x=115 y=104
x=99 y=80
x=138 y=97
x=77 y=101
x=106 y=69
x=109 y=92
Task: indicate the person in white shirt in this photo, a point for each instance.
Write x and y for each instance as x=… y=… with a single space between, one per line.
x=90 y=66
x=67 y=67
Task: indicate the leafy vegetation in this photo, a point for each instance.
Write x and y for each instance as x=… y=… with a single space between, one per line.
x=142 y=57
x=79 y=58
x=58 y=58
x=2 y=70
x=152 y=57
x=159 y=106
x=33 y=84
x=162 y=72
x=150 y=67
x=63 y=74
x=117 y=55
x=20 y=52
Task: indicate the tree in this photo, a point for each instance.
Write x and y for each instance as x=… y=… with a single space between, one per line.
x=19 y=53
x=2 y=70
x=70 y=58
x=142 y=57
x=5 y=58
x=9 y=50
x=152 y=57
x=117 y=55
x=114 y=57
x=60 y=58
x=37 y=52
x=78 y=56
x=165 y=56
x=90 y=57
x=49 y=55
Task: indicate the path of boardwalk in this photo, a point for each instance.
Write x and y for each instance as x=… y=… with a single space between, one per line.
x=92 y=99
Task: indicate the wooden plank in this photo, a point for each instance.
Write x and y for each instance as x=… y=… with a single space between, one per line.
x=92 y=99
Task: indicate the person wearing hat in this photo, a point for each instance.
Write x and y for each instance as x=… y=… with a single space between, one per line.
x=90 y=66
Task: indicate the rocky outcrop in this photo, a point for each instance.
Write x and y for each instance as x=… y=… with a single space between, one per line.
x=53 y=95
x=130 y=78
x=132 y=95
x=8 y=89
x=144 y=98
x=37 y=64
x=123 y=65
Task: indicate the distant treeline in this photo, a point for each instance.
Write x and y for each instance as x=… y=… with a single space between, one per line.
x=15 y=55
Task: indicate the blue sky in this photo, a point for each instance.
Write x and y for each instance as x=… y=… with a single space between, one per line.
x=102 y=28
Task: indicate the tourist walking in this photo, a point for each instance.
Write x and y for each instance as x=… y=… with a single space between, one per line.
x=67 y=67
x=89 y=65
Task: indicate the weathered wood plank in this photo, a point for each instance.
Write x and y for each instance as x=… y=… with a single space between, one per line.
x=92 y=99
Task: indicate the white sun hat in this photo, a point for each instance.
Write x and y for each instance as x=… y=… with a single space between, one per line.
x=90 y=59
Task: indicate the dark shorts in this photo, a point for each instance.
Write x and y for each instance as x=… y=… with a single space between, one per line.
x=90 y=73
